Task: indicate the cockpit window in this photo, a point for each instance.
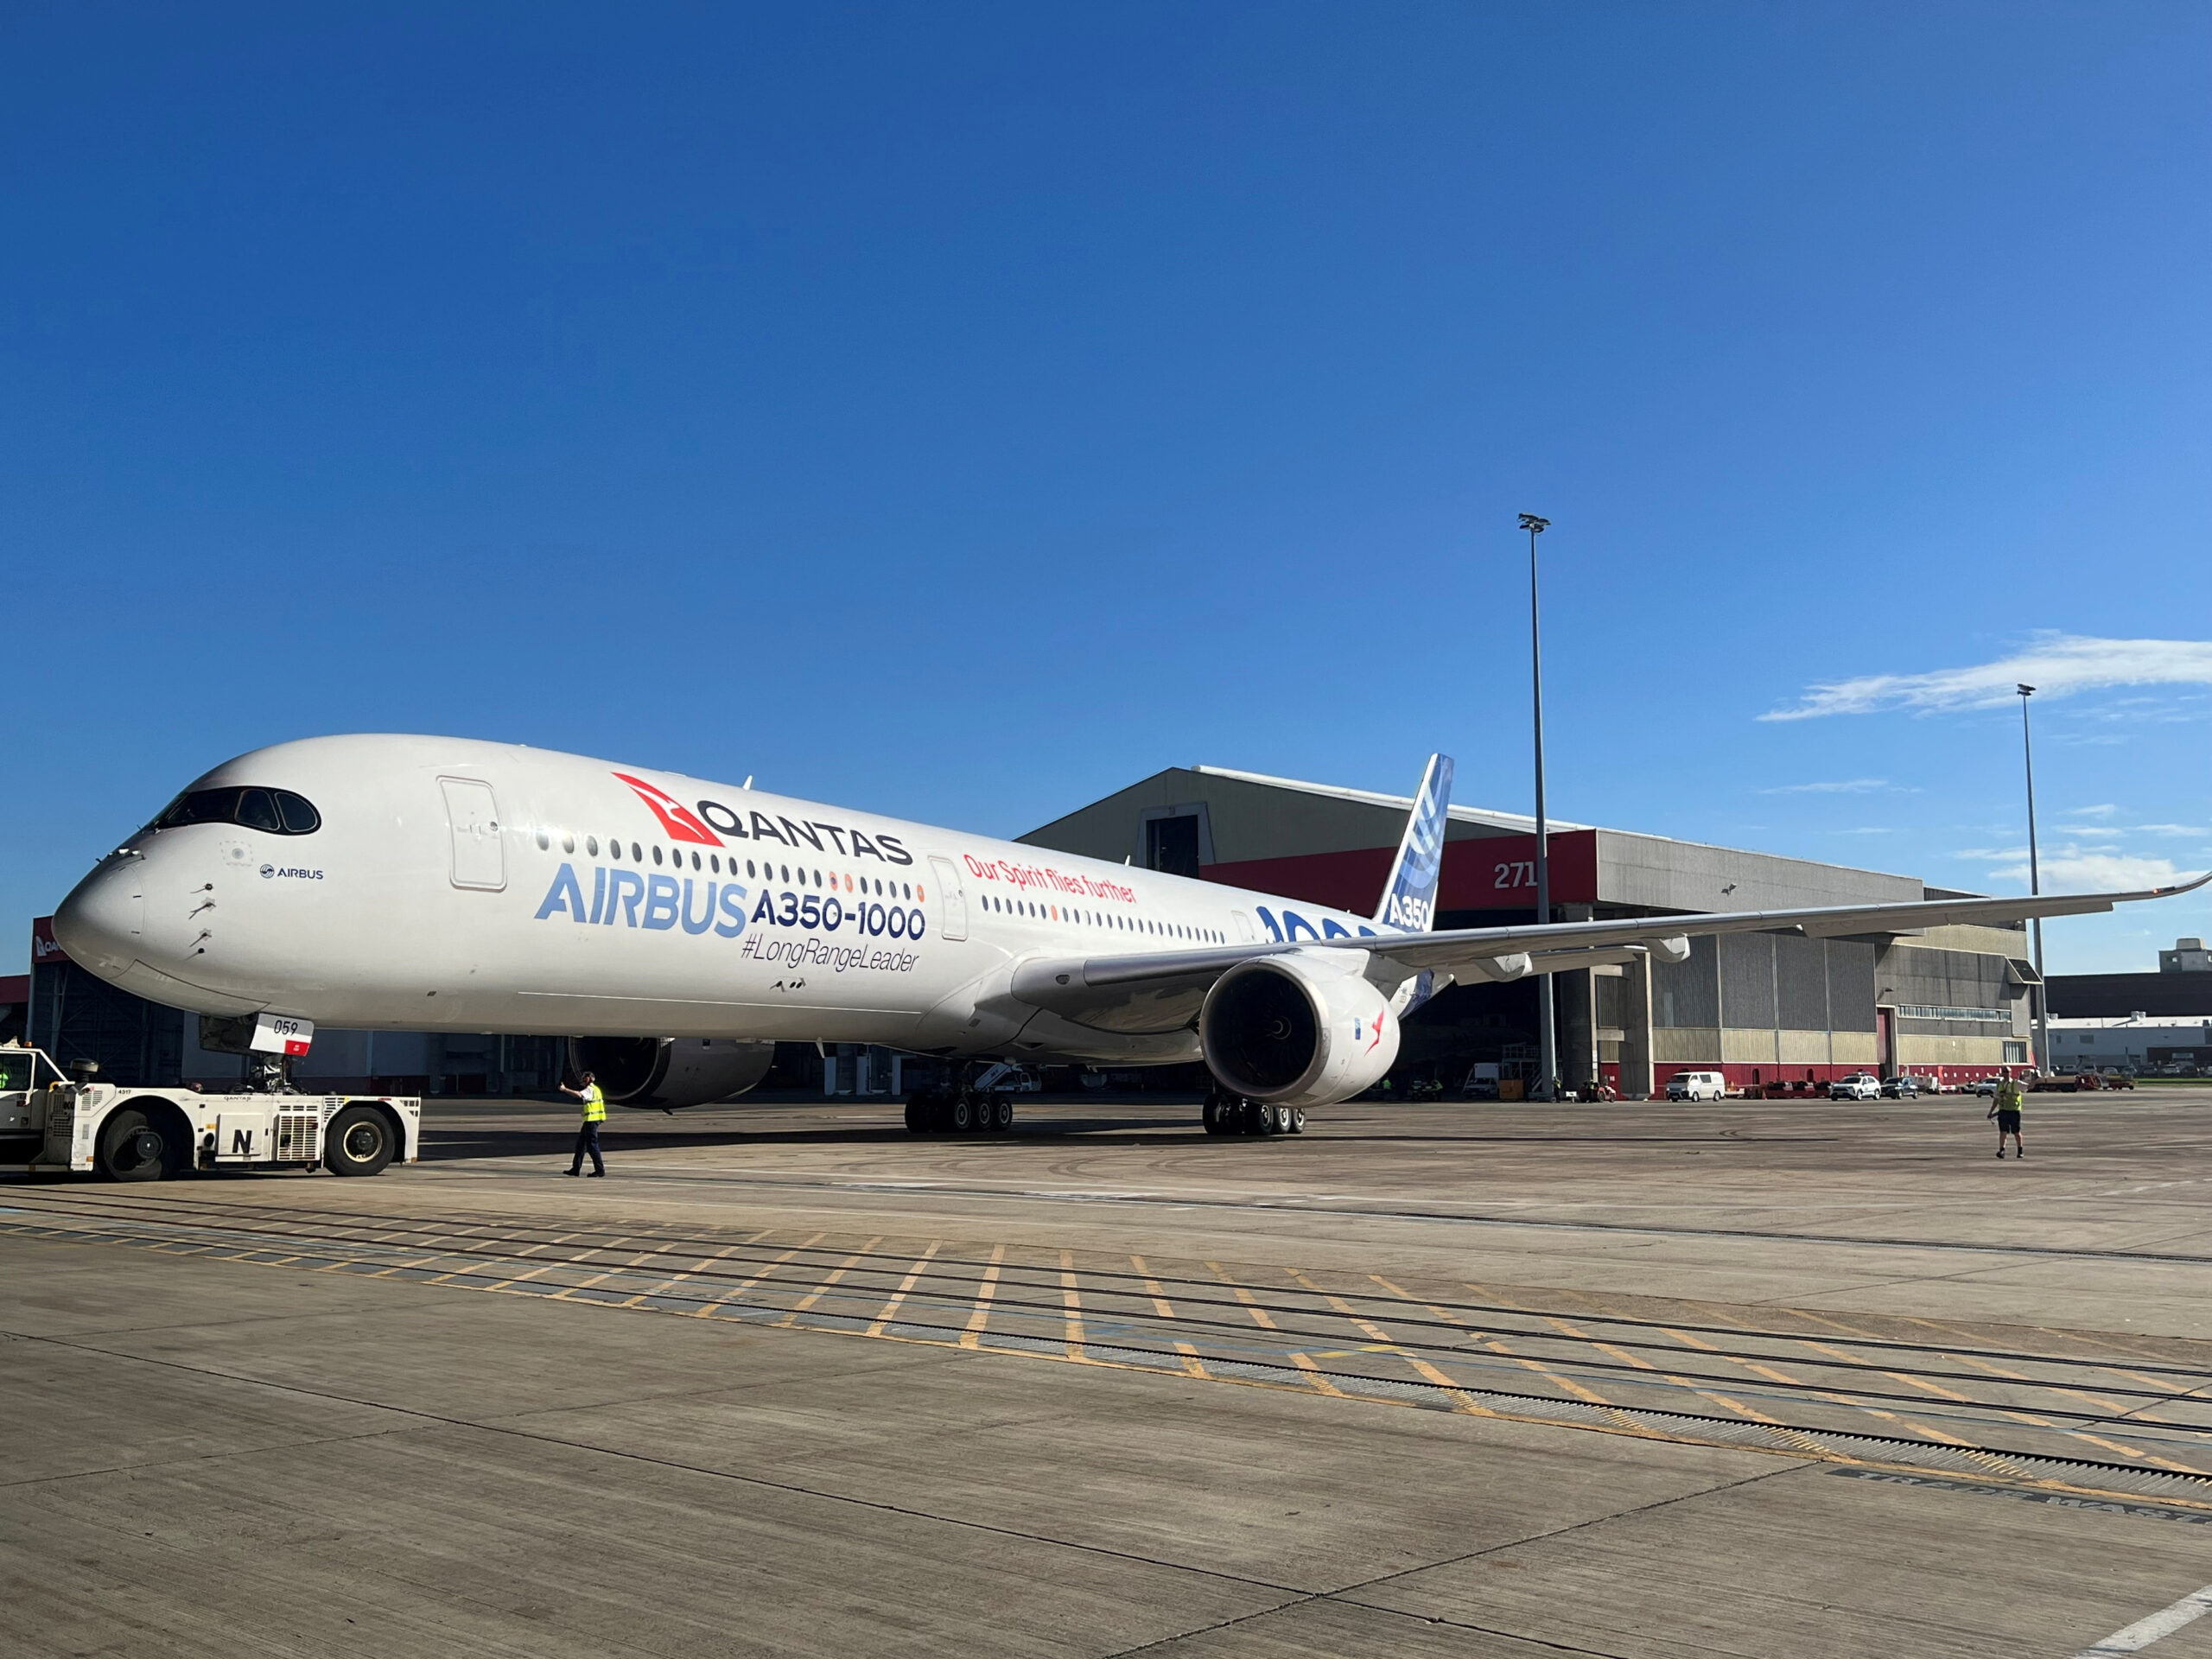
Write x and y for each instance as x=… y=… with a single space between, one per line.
x=277 y=811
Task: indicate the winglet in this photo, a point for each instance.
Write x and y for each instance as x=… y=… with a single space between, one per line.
x=1409 y=896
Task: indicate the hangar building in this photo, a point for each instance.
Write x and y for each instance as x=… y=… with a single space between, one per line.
x=1766 y=1008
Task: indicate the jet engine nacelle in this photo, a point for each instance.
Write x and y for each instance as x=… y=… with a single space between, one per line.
x=1297 y=1030
x=671 y=1070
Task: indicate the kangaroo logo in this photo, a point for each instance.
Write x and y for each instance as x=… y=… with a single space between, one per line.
x=681 y=822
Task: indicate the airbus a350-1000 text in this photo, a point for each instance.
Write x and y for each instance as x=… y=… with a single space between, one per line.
x=422 y=883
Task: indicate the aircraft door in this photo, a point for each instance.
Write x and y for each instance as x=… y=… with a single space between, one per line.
x=479 y=861
x=954 y=924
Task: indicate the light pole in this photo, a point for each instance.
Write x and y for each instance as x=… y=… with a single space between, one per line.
x=1547 y=1040
x=2039 y=1051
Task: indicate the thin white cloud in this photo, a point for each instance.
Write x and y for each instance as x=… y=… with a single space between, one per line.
x=2104 y=811
x=1843 y=786
x=2057 y=664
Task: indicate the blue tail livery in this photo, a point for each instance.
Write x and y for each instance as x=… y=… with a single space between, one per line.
x=1409 y=896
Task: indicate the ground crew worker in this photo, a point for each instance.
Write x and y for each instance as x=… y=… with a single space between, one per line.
x=2005 y=1107
x=587 y=1132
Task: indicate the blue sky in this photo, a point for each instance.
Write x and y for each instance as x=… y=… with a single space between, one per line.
x=961 y=410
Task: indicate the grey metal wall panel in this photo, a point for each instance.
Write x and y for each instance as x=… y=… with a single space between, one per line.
x=1688 y=993
x=1652 y=871
x=1747 y=981
x=1851 y=985
x=1801 y=972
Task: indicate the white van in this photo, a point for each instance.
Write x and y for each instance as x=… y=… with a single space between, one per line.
x=1697 y=1085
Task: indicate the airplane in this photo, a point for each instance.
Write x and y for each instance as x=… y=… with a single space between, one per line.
x=391 y=882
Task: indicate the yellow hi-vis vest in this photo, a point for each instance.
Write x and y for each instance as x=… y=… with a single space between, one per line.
x=594 y=1104
x=2008 y=1095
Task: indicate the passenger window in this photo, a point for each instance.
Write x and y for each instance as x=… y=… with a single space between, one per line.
x=786 y=874
x=544 y=842
x=910 y=893
x=656 y=852
x=748 y=867
x=695 y=860
x=591 y=845
x=637 y=853
x=568 y=841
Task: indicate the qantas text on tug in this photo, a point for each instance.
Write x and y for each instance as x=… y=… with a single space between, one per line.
x=424 y=883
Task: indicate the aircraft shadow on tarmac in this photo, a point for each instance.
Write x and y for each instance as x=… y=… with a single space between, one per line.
x=547 y=1130
x=555 y=1133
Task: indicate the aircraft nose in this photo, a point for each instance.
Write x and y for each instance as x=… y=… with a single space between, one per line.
x=102 y=924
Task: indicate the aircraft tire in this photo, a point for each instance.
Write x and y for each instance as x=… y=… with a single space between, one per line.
x=916 y=1117
x=963 y=1115
x=1209 y=1114
x=1001 y=1114
x=1254 y=1119
x=1298 y=1121
x=360 y=1140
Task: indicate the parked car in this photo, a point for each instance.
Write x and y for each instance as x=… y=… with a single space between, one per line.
x=1985 y=1085
x=1859 y=1085
x=1697 y=1085
x=1901 y=1088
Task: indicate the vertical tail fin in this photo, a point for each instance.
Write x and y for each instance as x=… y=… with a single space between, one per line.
x=1409 y=896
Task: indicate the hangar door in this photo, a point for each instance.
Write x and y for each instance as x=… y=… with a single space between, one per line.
x=474 y=819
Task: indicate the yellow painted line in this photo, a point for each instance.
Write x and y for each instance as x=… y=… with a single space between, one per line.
x=1590 y=1395
x=1165 y=1310
x=1637 y=1360
x=1313 y=1374
x=542 y=1267
x=583 y=1285
x=660 y=1289
x=914 y=1277
x=765 y=1272
x=1251 y=1304
x=973 y=1336
x=1152 y=1289
x=1367 y=1327
x=1390 y=1344
x=1905 y=1378
x=409 y=1266
x=1815 y=1390
x=1071 y=1305
x=824 y=1288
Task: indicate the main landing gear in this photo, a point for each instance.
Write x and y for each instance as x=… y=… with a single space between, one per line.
x=1229 y=1115
x=958 y=1111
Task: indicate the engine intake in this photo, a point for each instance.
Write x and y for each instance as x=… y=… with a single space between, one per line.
x=1297 y=1030
x=671 y=1070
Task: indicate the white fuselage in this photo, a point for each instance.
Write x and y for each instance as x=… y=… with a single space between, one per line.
x=458 y=885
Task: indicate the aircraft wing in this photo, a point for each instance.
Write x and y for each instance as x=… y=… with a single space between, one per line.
x=1160 y=990
x=1465 y=947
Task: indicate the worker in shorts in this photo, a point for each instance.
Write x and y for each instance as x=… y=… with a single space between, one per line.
x=588 y=1131
x=2005 y=1107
